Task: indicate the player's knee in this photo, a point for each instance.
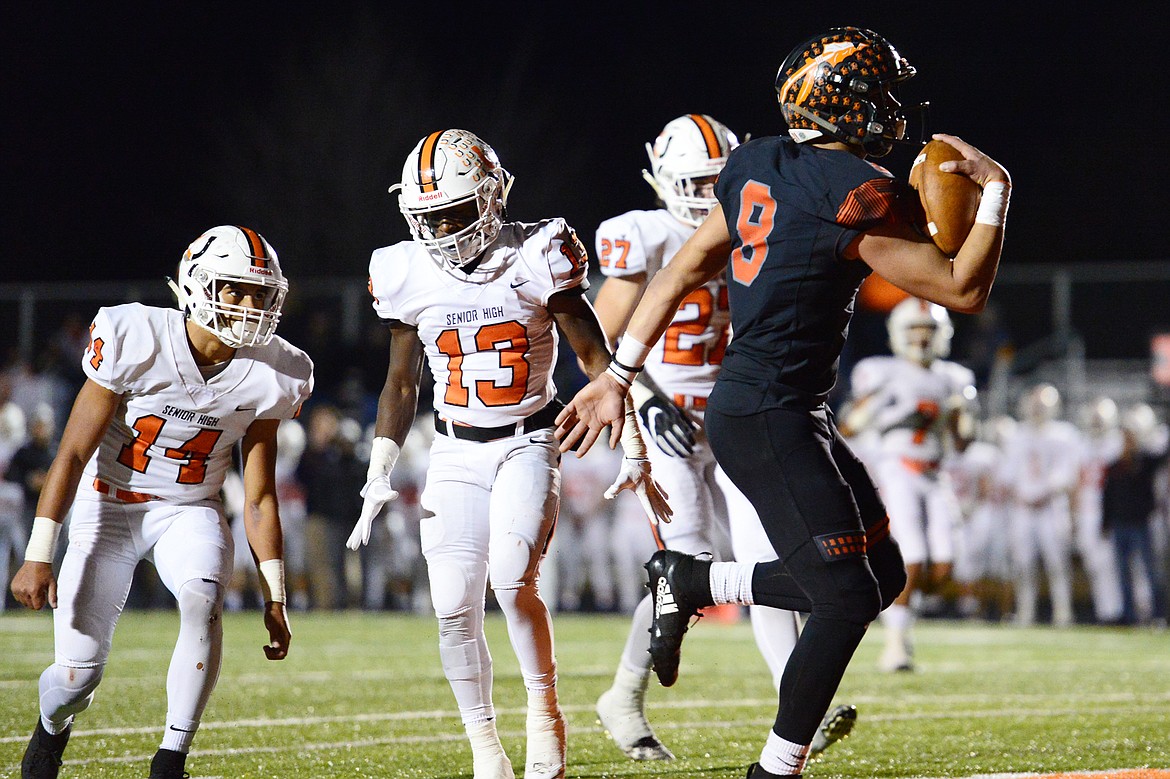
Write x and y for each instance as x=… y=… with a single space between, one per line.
x=855 y=595
x=201 y=600
x=512 y=563
x=450 y=589
x=65 y=690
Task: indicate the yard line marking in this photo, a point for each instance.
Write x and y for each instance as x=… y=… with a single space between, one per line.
x=408 y=716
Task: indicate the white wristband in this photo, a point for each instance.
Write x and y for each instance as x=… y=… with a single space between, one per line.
x=272 y=580
x=631 y=353
x=42 y=541
x=383 y=454
x=993 y=205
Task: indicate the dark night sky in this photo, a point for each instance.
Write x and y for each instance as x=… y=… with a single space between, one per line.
x=128 y=129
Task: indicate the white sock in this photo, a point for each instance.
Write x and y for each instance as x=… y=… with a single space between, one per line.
x=731 y=583
x=783 y=757
x=485 y=741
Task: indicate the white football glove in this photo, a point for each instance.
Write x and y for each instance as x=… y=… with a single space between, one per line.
x=377 y=492
x=635 y=476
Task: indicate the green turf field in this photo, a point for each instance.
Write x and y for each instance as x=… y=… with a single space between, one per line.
x=363 y=696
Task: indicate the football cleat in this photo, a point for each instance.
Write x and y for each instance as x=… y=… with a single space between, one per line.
x=625 y=722
x=545 y=753
x=168 y=764
x=836 y=725
x=672 y=614
x=42 y=757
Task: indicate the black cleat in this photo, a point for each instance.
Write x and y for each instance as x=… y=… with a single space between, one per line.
x=672 y=613
x=755 y=772
x=836 y=725
x=42 y=757
x=168 y=764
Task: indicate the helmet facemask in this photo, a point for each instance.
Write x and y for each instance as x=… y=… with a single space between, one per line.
x=231 y=256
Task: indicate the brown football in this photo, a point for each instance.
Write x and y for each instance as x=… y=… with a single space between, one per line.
x=949 y=200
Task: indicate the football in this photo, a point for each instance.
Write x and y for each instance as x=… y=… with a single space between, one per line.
x=949 y=200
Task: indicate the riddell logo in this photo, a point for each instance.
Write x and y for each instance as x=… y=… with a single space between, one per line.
x=426 y=197
x=260 y=271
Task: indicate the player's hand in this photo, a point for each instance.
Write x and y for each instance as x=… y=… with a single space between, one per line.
x=279 y=635
x=672 y=429
x=635 y=476
x=599 y=403
x=376 y=494
x=34 y=585
x=975 y=164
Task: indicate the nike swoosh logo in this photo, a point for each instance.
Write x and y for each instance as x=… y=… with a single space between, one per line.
x=518 y=284
x=244 y=408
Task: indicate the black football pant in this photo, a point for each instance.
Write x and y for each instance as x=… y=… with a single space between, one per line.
x=829 y=529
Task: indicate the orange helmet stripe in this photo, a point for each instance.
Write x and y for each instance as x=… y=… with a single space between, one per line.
x=259 y=255
x=426 y=162
x=833 y=54
x=255 y=241
x=714 y=152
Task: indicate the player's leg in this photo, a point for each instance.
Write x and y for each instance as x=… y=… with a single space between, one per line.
x=1055 y=543
x=92 y=586
x=454 y=541
x=621 y=708
x=901 y=491
x=786 y=464
x=1024 y=555
x=193 y=553
x=523 y=509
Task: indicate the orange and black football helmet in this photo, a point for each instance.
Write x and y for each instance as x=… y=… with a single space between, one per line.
x=842 y=85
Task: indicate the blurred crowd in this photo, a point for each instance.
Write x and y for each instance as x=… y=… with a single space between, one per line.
x=1065 y=512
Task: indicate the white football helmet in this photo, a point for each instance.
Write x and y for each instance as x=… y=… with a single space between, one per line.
x=691 y=147
x=224 y=255
x=1100 y=416
x=1039 y=405
x=448 y=169
x=916 y=313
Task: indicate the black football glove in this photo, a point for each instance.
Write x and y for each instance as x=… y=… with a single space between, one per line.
x=672 y=429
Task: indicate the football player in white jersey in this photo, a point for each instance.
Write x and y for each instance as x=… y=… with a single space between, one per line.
x=916 y=400
x=710 y=513
x=482 y=300
x=1041 y=465
x=167 y=396
x=1102 y=441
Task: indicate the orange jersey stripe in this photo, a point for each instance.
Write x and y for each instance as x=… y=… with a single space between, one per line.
x=709 y=136
x=426 y=162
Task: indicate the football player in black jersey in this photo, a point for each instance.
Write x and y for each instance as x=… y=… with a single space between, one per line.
x=803 y=219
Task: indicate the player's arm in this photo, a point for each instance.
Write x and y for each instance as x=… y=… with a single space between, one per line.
x=673 y=431
x=913 y=263
x=34 y=584
x=578 y=322
x=598 y=404
x=396 y=409
x=262 y=526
